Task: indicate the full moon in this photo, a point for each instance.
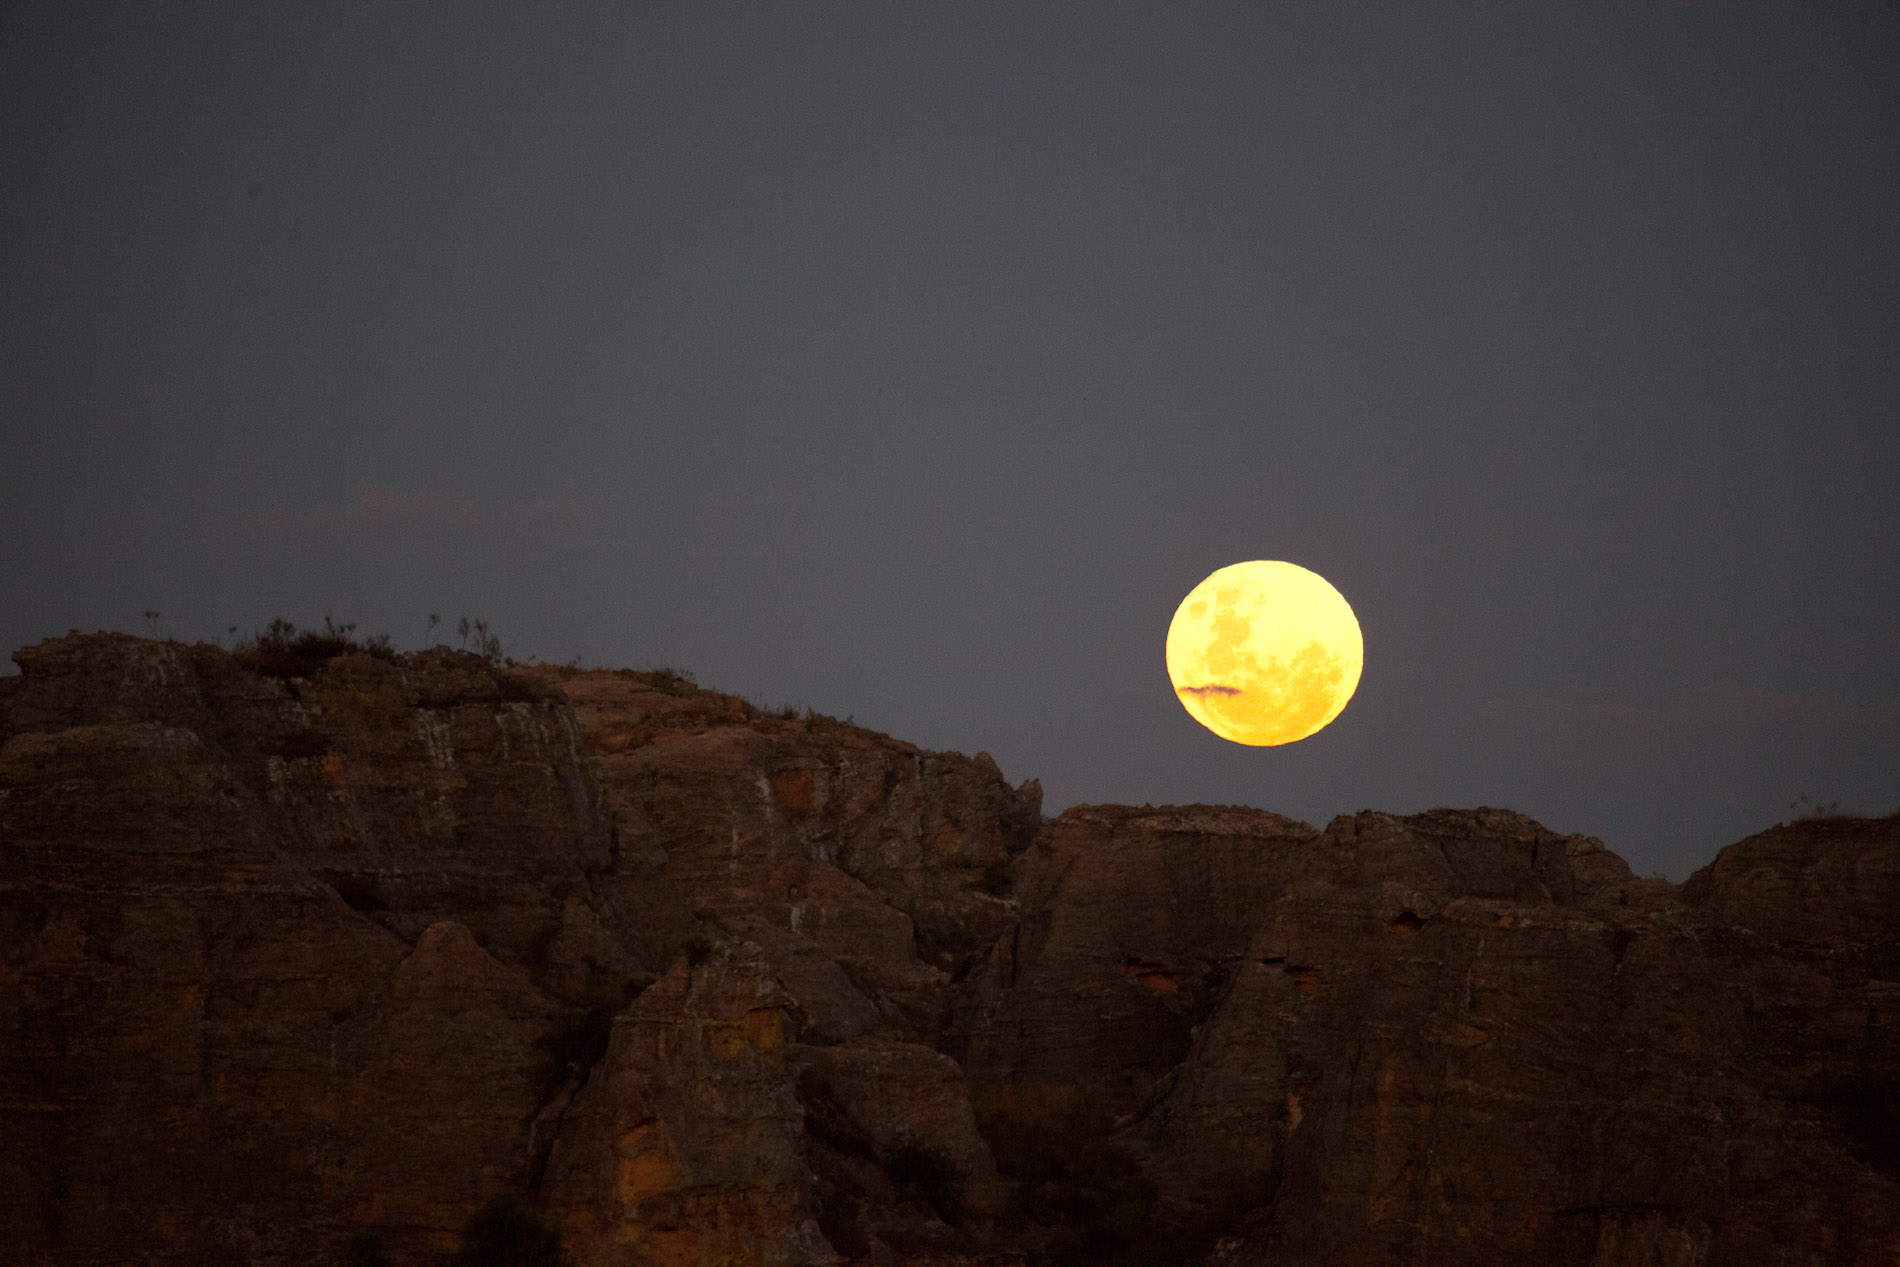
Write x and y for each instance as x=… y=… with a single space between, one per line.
x=1264 y=653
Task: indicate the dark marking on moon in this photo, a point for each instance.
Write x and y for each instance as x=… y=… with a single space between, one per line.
x=1215 y=689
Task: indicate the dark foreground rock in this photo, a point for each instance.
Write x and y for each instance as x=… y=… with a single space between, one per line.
x=292 y=951
x=1458 y=1037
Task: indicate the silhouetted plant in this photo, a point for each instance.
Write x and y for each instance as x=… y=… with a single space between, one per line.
x=508 y=1232
x=281 y=651
x=813 y=719
x=1806 y=807
x=477 y=638
x=671 y=680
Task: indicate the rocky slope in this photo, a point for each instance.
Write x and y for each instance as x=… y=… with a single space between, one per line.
x=293 y=949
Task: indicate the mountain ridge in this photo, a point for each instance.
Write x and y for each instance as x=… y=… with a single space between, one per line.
x=344 y=947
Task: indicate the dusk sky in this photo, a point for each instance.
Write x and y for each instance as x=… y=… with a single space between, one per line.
x=911 y=362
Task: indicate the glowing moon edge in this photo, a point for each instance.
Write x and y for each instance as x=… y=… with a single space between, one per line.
x=1264 y=653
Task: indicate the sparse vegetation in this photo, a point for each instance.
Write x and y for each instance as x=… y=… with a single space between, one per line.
x=508 y=1232
x=670 y=680
x=815 y=720
x=281 y=651
x=1806 y=807
x=811 y=717
x=478 y=639
x=996 y=878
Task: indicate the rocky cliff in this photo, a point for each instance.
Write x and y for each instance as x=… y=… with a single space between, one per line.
x=299 y=948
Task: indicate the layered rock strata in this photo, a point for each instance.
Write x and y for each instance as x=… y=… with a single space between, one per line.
x=297 y=950
x=1459 y=1037
x=347 y=947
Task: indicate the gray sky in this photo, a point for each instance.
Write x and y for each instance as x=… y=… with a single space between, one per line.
x=911 y=362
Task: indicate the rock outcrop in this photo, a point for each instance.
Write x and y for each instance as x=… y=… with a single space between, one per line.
x=295 y=949
x=1459 y=1037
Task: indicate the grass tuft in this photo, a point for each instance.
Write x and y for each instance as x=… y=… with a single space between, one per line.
x=281 y=651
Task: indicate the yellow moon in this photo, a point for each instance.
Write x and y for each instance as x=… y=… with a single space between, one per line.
x=1264 y=653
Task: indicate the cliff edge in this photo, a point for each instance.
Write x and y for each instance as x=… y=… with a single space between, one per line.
x=293 y=950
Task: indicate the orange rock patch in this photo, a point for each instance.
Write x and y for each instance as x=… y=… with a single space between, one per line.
x=765 y=1030
x=795 y=791
x=645 y=1176
x=1155 y=976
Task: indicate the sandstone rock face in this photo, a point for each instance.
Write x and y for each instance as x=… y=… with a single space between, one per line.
x=295 y=950
x=893 y=1143
x=1131 y=921
x=831 y=843
x=294 y=954
x=1458 y=1037
x=695 y=1121
x=899 y=1096
x=246 y=996
x=435 y=1075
